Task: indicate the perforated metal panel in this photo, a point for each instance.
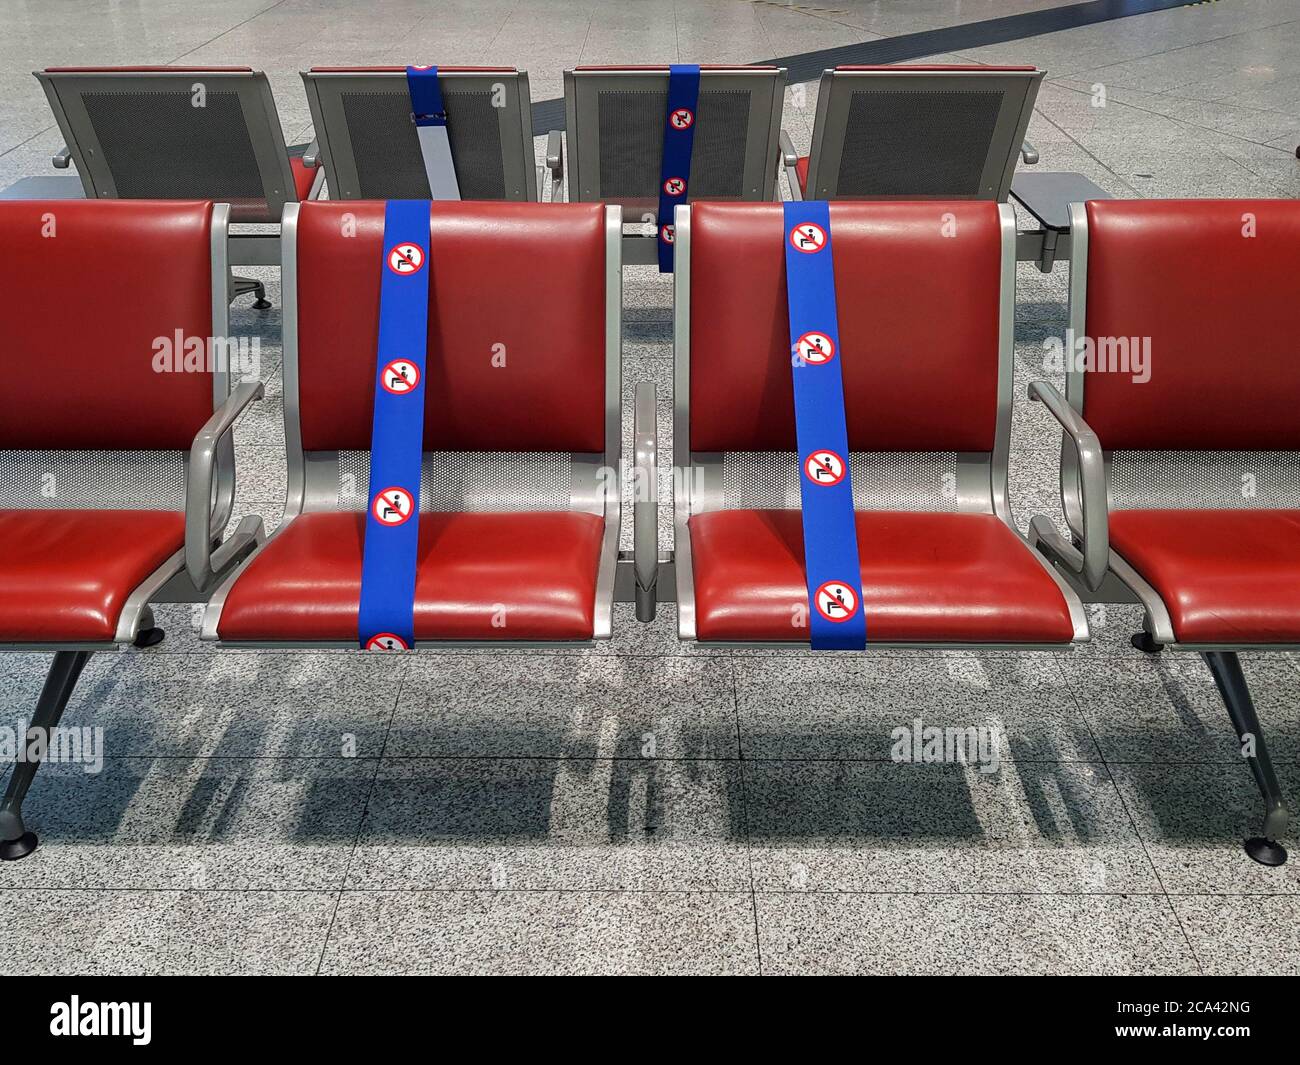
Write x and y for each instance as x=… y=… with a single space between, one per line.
x=118 y=480
x=158 y=144
x=387 y=149
x=1189 y=480
x=952 y=131
x=894 y=480
x=631 y=143
x=474 y=481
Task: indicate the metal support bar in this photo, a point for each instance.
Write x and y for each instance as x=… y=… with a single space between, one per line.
x=255 y=249
x=645 y=499
x=789 y=159
x=555 y=163
x=15 y=841
x=1225 y=666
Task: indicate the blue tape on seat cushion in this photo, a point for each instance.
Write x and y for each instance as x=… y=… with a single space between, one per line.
x=837 y=620
x=386 y=619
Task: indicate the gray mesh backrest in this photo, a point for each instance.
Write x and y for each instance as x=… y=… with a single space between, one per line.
x=1189 y=480
x=917 y=142
x=116 y=480
x=472 y=481
x=387 y=149
x=157 y=144
x=631 y=143
x=888 y=480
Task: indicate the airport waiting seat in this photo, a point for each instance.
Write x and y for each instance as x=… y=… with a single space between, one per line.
x=615 y=129
x=186 y=133
x=519 y=509
x=370 y=150
x=1181 y=457
x=116 y=476
x=926 y=331
x=946 y=132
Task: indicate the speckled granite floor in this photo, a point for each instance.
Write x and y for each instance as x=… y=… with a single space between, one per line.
x=498 y=812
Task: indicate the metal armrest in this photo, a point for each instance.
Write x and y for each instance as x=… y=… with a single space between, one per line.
x=1092 y=485
x=555 y=162
x=200 y=560
x=1029 y=153
x=790 y=160
x=645 y=506
x=311 y=157
x=62 y=159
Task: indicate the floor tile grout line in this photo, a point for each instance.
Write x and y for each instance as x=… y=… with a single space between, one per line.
x=739 y=892
x=1155 y=871
x=361 y=821
x=744 y=808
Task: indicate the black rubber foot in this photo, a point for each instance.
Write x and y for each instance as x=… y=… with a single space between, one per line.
x=13 y=849
x=262 y=305
x=1143 y=642
x=1265 y=851
x=150 y=637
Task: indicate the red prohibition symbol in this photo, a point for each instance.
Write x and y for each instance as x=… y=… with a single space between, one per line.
x=674 y=186
x=666 y=233
x=386 y=641
x=682 y=118
x=406 y=259
x=808 y=237
x=400 y=377
x=824 y=467
x=815 y=348
x=392 y=506
x=836 y=601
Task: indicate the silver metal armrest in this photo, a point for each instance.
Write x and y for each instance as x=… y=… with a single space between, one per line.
x=790 y=160
x=555 y=162
x=1029 y=153
x=645 y=506
x=200 y=560
x=62 y=159
x=311 y=157
x=1092 y=485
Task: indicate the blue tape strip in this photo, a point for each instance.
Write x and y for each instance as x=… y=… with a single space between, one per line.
x=386 y=619
x=679 y=139
x=837 y=619
x=426 y=96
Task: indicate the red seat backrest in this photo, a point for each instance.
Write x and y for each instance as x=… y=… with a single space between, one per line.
x=516 y=355
x=918 y=320
x=1222 y=314
x=88 y=292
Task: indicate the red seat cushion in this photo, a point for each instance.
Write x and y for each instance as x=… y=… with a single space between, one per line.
x=1226 y=576
x=801 y=171
x=534 y=575
x=66 y=574
x=926 y=578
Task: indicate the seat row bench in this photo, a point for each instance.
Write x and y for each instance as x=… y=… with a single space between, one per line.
x=523 y=477
x=880 y=132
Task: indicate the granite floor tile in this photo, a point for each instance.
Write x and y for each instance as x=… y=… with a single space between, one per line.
x=543 y=932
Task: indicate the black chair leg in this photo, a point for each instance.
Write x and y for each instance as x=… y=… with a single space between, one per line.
x=15 y=841
x=1226 y=669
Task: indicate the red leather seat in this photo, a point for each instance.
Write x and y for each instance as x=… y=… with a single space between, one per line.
x=926 y=578
x=66 y=574
x=801 y=171
x=1226 y=576
x=480 y=576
